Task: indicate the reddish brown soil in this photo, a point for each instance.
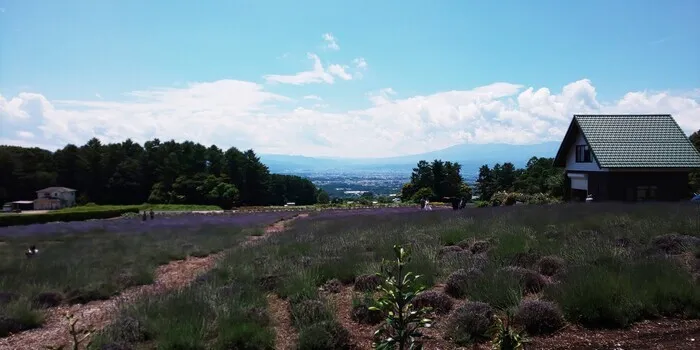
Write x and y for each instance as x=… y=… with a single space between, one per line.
x=98 y=314
x=285 y=334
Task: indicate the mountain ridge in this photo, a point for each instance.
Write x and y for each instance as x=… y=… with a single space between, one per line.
x=469 y=155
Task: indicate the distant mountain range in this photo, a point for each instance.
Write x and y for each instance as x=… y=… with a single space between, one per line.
x=471 y=156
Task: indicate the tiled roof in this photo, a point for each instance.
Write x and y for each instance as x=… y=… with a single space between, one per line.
x=638 y=141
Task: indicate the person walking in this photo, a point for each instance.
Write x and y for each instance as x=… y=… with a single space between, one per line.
x=152 y=213
x=422 y=203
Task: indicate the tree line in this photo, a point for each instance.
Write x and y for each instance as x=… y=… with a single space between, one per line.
x=538 y=176
x=437 y=180
x=158 y=172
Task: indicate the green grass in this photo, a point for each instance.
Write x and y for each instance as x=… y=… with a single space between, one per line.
x=604 y=284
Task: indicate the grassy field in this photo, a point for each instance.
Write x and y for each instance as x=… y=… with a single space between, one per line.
x=84 y=261
x=597 y=266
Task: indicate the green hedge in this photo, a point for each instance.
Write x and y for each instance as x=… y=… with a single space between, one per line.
x=29 y=219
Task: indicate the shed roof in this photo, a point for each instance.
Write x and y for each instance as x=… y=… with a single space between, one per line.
x=632 y=141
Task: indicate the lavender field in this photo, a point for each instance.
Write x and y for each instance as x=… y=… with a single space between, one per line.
x=601 y=266
x=557 y=267
x=92 y=260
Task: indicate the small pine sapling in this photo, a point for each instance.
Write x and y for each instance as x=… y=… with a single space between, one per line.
x=505 y=336
x=401 y=328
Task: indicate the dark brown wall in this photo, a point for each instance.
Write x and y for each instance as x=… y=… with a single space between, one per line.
x=671 y=186
x=604 y=186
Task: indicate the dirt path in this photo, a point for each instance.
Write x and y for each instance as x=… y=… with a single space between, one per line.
x=98 y=314
x=285 y=335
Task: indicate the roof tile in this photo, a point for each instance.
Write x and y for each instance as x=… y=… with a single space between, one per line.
x=638 y=141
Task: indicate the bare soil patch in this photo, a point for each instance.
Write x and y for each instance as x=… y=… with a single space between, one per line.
x=285 y=334
x=98 y=314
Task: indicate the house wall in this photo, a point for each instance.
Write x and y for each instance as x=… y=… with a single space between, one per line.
x=622 y=185
x=46 y=204
x=67 y=198
x=571 y=157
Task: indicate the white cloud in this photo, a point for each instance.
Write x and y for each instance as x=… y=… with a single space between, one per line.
x=25 y=134
x=339 y=71
x=97 y=94
x=313 y=97
x=382 y=96
x=360 y=63
x=272 y=123
x=331 y=41
x=318 y=74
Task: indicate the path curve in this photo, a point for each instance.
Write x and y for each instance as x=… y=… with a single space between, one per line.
x=98 y=314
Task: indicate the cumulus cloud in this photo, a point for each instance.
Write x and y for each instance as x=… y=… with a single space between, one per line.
x=313 y=97
x=331 y=41
x=273 y=123
x=382 y=96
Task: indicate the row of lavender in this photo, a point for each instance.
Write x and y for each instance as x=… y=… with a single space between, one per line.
x=136 y=225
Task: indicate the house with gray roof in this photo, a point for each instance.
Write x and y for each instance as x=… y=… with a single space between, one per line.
x=627 y=158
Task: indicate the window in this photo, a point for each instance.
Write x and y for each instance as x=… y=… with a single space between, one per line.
x=646 y=193
x=583 y=154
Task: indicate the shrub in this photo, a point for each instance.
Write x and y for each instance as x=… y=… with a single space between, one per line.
x=308 y=312
x=481 y=204
x=531 y=281
x=367 y=283
x=116 y=346
x=479 y=247
x=539 y=317
x=510 y=199
x=333 y=286
x=551 y=265
x=437 y=301
x=449 y=249
x=361 y=312
x=597 y=297
x=497 y=288
x=469 y=323
x=29 y=219
x=48 y=299
x=673 y=244
x=457 y=283
x=327 y=335
x=7 y=297
x=17 y=317
x=524 y=259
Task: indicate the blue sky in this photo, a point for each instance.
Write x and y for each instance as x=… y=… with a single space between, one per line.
x=69 y=70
